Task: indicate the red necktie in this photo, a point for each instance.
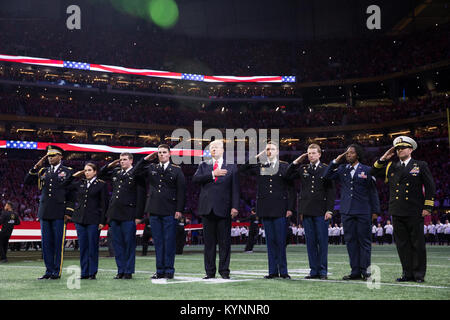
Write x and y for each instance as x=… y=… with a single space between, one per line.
x=216 y=165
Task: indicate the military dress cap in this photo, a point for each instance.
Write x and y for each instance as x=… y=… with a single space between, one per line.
x=54 y=150
x=404 y=141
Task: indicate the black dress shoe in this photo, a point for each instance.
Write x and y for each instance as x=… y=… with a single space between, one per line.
x=312 y=277
x=92 y=277
x=420 y=280
x=83 y=277
x=119 y=276
x=168 y=276
x=45 y=276
x=158 y=276
x=365 y=276
x=271 y=276
x=225 y=276
x=323 y=277
x=208 y=277
x=352 y=277
x=285 y=276
x=54 y=277
x=404 y=279
x=127 y=276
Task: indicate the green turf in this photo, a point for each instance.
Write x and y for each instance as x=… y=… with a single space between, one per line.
x=18 y=278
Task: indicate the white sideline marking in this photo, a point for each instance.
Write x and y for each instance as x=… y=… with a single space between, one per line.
x=219 y=280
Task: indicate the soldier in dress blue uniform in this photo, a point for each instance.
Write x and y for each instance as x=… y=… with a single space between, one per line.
x=124 y=209
x=408 y=204
x=359 y=200
x=316 y=204
x=275 y=203
x=89 y=216
x=165 y=205
x=52 y=207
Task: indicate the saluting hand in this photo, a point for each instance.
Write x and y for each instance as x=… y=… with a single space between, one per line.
x=301 y=158
x=260 y=154
x=288 y=213
x=178 y=215
x=388 y=154
x=114 y=163
x=79 y=174
x=151 y=156
x=328 y=216
x=40 y=162
x=100 y=226
x=342 y=155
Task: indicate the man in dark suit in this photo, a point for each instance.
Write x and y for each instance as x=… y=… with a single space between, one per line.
x=165 y=204
x=218 y=204
x=359 y=200
x=125 y=207
x=52 y=208
x=316 y=204
x=407 y=204
x=275 y=202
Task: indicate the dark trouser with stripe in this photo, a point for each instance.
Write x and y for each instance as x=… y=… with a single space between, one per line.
x=88 y=237
x=276 y=229
x=124 y=242
x=410 y=242
x=52 y=232
x=316 y=232
x=217 y=230
x=357 y=235
x=164 y=232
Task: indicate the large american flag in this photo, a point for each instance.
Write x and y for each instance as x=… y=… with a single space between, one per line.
x=80 y=147
x=141 y=72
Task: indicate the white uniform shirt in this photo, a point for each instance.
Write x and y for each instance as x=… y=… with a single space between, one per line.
x=374 y=229
x=447 y=228
x=379 y=231
x=431 y=229
x=388 y=229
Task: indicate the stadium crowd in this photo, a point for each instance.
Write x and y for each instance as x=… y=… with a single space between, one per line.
x=316 y=60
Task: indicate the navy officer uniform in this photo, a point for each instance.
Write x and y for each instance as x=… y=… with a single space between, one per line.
x=52 y=209
x=316 y=197
x=275 y=196
x=90 y=208
x=359 y=199
x=165 y=196
x=125 y=206
x=407 y=180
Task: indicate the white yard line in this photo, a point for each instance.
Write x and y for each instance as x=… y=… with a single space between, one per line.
x=257 y=275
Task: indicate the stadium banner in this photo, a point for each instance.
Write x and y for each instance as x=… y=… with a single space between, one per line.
x=142 y=72
x=31 y=230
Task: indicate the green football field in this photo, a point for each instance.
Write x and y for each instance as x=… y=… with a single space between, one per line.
x=18 y=278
